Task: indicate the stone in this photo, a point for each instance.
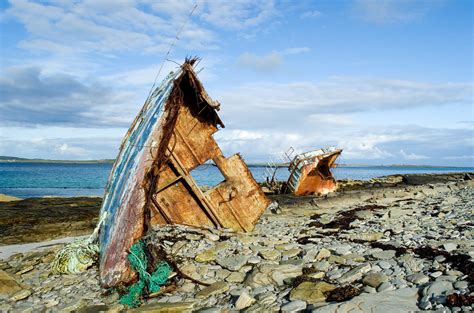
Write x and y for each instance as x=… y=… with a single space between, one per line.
x=384 y=255
x=254 y=260
x=322 y=266
x=401 y=300
x=20 y=295
x=206 y=256
x=410 y=263
x=418 y=278
x=293 y=306
x=235 y=277
x=311 y=292
x=436 y=274
x=8 y=284
x=384 y=264
x=424 y=305
x=163 y=307
x=364 y=214
x=437 y=288
x=354 y=274
x=271 y=255
x=462 y=284
x=341 y=249
x=26 y=269
x=190 y=270
x=369 y=236
x=214 y=289
x=272 y=274
x=266 y=298
x=244 y=301
x=323 y=254
x=374 y=279
x=449 y=247
x=233 y=263
x=316 y=275
x=385 y=286
x=337 y=259
x=291 y=252
x=450 y=278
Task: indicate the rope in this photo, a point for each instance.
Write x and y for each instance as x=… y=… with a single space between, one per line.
x=79 y=255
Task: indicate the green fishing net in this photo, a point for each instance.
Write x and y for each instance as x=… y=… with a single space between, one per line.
x=139 y=261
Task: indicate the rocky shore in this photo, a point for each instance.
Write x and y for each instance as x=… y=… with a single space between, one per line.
x=397 y=244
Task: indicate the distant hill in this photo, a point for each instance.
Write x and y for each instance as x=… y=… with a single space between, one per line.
x=10 y=159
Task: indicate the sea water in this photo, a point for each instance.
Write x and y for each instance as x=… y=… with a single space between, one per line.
x=27 y=180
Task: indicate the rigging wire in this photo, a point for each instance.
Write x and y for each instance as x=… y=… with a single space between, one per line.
x=173 y=43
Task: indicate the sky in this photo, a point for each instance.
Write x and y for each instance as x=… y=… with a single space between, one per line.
x=389 y=82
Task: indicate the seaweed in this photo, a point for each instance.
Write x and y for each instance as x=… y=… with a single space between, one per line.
x=342 y=293
x=457 y=300
x=385 y=246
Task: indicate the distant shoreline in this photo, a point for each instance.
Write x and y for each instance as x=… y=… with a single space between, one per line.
x=8 y=159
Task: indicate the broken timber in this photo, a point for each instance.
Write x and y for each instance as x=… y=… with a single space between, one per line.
x=150 y=182
x=310 y=172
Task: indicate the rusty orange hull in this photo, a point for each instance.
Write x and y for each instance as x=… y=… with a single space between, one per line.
x=310 y=173
x=150 y=183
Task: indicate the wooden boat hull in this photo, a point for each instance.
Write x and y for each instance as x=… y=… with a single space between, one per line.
x=150 y=183
x=310 y=173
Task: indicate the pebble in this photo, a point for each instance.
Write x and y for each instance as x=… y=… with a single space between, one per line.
x=461 y=284
x=214 y=289
x=418 y=278
x=374 y=279
x=244 y=301
x=233 y=263
x=384 y=255
x=384 y=265
x=449 y=247
x=437 y=288
x=385 y=286
x=255 y=271
x=20 y=295
x=293 y=306
x=311 y=292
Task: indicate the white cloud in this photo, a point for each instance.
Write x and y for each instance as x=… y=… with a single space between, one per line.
x=345 y=94
x=268 y=62
x=239 y=14
x=392 y=11
x=29 y=97
x=102 y=27
x=67 y=150
x=264 y=63
x=333 y=120
x=296 y=50
x=311 y=14
x=412 y=156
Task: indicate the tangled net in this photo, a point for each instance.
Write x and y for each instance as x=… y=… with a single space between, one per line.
x=146 y=281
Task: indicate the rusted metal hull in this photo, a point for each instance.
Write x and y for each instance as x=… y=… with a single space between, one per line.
x=310 y=173
x=150 y=182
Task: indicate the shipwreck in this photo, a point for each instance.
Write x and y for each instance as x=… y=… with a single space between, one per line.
x=310 y=172
x=150 y=182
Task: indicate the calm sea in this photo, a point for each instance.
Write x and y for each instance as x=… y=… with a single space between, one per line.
x=26 y=180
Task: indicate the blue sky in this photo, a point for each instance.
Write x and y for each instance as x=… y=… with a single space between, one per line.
x=390 y=82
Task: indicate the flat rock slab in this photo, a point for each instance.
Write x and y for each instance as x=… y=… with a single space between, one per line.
x=161 y=307
x=214 y=289
x=311 y=292
x=401 y=300
x=8 y=284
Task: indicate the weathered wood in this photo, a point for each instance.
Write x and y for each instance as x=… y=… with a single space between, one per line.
x=310 y=173
x=150 y=183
